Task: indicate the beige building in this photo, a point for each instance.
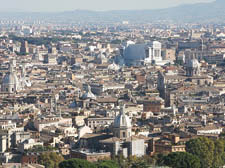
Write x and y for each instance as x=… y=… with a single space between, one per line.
x=90 y=156
x=169 y=54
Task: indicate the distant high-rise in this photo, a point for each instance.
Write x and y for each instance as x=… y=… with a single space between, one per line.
x=24 y=47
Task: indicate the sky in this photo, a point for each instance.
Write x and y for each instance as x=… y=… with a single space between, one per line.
x=99 y=5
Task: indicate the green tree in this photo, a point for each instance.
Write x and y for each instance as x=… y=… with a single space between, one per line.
x=159 y=159
x=137 y=162
x=123 y=162
x=203 y=148
x=181 y=160
x=150 y=160
x=76 y=163
x=50 y=159
x=107 y=164
x=219 y=154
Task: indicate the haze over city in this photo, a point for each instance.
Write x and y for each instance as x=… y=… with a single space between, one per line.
x=67 y=5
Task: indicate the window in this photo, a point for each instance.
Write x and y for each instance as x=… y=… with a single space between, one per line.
x=124 y=134
x=123 y=120
x=156 y=53
x=147 y=53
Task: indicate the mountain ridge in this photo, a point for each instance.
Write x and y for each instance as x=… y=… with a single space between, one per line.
x=213 y=12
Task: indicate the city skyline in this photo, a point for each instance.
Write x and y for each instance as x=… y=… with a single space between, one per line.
x=98 y=5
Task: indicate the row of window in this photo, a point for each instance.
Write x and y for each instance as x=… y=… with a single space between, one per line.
x=99 y=122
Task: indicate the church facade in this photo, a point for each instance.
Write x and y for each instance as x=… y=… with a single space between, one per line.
x=121 y=142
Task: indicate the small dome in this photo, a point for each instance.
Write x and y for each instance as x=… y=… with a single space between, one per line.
x=129 y=43
x=88 y=94
x=91 y=66
x=73 y=104
x=10 y=79
x=122 y=120
x=114 y=67
x=101 y=56
x=193 y=63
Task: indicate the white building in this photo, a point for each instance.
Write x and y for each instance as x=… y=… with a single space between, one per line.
x=11 y=137
x=154 y=50
x=28 y=144
x=7 y=124
x=208 y=130
x=40 y=124
x=139 y=54
x=84 y=130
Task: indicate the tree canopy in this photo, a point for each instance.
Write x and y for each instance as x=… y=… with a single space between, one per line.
x=107 y=164
x=181 y=160
x=76 y=163
x=50 y=159
x=210 y=152
x=79 y=163
x=202 y=148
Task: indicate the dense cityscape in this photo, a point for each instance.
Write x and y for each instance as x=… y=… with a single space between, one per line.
x=112 y=95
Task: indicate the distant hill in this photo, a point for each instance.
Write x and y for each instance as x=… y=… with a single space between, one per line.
x=213 y=12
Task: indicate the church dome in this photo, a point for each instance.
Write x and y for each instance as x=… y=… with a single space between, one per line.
x=88 y=94
x=91 y=66
x=113 y=67
x=122 y=120
x=10 y=79
x=193 y=63
x=101 y=56
x=73 y=104
x=10 y=82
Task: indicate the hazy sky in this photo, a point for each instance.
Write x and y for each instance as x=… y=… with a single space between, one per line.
x=65 y=5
